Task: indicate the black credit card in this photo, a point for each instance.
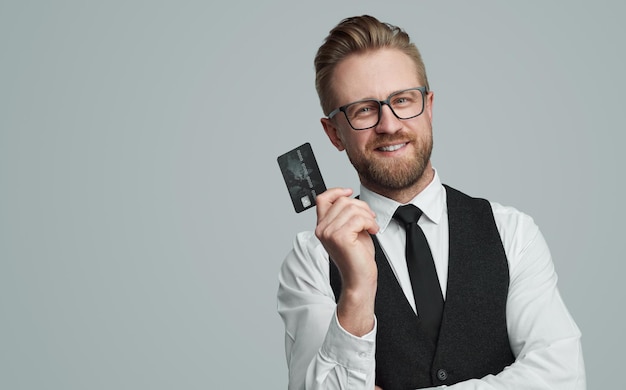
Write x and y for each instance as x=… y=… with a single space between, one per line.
x=302 y=176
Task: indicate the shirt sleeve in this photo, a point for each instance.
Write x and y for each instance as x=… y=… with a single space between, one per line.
x=542 y=333
x=320 y=354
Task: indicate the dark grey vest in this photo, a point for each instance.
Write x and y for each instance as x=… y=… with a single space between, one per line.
x=473 y=339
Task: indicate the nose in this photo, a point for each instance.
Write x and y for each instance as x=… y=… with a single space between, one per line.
x=389 y=122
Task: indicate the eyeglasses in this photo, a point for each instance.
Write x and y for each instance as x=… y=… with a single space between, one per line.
x=365 y=114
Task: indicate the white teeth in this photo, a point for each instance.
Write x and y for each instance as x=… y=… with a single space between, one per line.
x=391 y=148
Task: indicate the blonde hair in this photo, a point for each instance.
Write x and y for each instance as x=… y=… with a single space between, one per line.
x=359 y=34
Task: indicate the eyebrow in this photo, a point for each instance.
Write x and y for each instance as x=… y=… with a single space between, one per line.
x=394 y=92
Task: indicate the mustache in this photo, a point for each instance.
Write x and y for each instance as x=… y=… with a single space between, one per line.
x=390 y=139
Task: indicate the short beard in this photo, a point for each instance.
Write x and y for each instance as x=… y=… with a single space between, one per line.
x=396 y=175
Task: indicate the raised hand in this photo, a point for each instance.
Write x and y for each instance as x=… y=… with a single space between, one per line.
x=344 y=226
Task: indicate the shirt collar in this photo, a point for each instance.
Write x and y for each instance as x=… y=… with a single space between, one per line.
x=431 y=201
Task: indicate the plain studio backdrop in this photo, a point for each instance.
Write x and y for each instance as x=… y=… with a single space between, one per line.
x=143 y=217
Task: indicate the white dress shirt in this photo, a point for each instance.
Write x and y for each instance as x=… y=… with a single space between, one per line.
x=543 y=335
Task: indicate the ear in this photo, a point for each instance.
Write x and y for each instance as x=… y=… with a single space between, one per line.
x=333 y=133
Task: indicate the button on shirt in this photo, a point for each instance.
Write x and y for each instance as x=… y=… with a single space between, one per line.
x=322 y=355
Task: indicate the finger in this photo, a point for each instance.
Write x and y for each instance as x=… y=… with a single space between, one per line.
x=326 y=199
x=345 y=212
x=341 y=211
x=359 y=222
x=346 y=222
x=344 y=206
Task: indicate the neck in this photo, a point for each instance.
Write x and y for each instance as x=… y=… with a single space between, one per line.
x=404 y=195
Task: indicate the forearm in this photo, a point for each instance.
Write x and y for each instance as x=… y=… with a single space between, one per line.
x=320 y=353
x=542 y=334
x=332 y=359
x=541 y=370
x=355 y=309
x=343 y=361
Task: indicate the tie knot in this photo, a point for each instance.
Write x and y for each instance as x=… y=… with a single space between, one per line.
x=408 y=214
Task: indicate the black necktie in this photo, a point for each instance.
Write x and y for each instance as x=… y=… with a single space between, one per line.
x=424 y=280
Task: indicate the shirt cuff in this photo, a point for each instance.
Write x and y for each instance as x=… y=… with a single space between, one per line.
x=347 y=350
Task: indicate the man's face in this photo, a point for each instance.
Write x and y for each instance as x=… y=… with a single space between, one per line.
x=394 y=155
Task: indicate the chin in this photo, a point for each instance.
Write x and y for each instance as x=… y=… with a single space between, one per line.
x=395 y=177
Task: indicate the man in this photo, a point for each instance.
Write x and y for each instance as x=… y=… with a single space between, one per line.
x=488 y=316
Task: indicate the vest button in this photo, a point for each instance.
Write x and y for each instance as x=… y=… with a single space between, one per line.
x=442 y=374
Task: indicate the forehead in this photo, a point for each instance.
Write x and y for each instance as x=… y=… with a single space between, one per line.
x=374 y=74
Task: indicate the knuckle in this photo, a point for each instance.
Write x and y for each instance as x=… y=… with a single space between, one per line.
x=323 y=233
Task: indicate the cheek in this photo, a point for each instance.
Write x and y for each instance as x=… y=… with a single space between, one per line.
x=356 y=142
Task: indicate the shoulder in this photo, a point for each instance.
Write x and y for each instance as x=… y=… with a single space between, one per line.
x=523 y=242
x=518 y=231
x=509 y=220
x=513 y=224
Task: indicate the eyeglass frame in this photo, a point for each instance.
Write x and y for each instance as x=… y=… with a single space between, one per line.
x=423 y=90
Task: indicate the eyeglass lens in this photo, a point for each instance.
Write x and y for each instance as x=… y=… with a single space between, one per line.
x=366 y=113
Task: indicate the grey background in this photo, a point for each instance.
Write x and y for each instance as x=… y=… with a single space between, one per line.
x=135 y=137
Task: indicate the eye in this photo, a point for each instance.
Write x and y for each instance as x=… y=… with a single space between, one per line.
x=400 y=100
x=362 y=109
x=406 y=98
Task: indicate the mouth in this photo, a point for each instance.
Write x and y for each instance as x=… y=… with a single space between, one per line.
x=391 y=148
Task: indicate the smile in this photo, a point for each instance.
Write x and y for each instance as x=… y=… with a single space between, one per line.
x=391 y=148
